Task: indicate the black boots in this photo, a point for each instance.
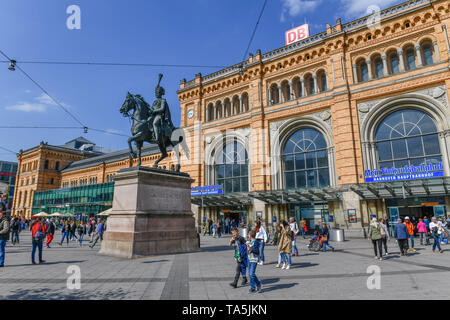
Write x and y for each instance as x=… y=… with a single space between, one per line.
x=244 y=281
x=233 y=284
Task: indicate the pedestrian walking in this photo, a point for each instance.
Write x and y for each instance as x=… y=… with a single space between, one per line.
x=240 y=255
x=261 y=237
x=423 y=232
x=303 y=228
x=219 y=228
x=82 y=230
x=37 y=236
x=434 y=229
x=295 y=229
x=401 y=232
x=4 y=236
x=15 y=229
x=214 y=229
x=374 y=235
x=285 y=245
x=50 y=230
x=253 y=257
x=98 y=233
x=325 y=238
x=385 y=236
x=73 y=230
x=227 y=225
x=65 y=233
x=410 y=226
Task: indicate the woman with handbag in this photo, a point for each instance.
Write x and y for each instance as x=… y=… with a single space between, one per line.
x=285 y=245
x=37 y=235
x=324 y=239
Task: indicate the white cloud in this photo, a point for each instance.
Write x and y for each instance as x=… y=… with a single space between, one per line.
x=40 y=104
x=358 y=8
x=28 y=107
x=296 y=7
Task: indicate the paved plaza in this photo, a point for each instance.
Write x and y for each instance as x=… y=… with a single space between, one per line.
x=206 y=275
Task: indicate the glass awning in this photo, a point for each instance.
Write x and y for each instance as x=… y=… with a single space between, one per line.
x=298 y=195
x=222 y=200
x=403 y=189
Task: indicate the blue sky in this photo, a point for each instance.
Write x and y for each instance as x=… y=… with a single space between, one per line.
x=195 y=32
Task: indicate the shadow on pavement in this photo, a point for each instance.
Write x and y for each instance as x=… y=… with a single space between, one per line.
x=155 y=261
x=278 y=287
x=46 y=263
x=303 y=265
x=216 y=248
x=269 y=281
x=52 y=294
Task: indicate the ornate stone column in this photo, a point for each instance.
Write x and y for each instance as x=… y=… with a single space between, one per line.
x=291 y=90
x=369 y=67
x=280 y=96
x=401 y=61
x=444 y=29
x=316 y=88
x=355 y=73
x=385 y=65
x=436 y=52
x=418 y=55
x=223 y=108
x=302 y=81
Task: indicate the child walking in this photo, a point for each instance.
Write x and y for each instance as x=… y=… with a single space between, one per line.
x=240 y=254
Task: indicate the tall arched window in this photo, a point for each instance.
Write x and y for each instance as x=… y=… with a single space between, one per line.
x=407 y=137
x=231 y=168
x=305 y=160
x=410 y=59
x=427 y=52
x=378 y=66
x=364 y=71
x=394 y=63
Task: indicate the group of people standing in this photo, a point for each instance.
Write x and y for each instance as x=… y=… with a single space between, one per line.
x=43 y=231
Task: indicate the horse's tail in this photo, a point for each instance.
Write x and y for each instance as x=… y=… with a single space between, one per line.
x=178 y=138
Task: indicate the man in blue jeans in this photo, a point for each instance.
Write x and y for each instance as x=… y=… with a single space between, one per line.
x=294 y=228
x=98 y=233
x=253 y=248
x=4 y=236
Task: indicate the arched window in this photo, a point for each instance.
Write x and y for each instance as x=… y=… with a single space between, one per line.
x=407 y=137
x=285 y=91
x=394 y=63
x=210 y=112
x=245 y=102
x=305 y=160
x=378 y=67
x=231 y=168
x=410 y=59
x=427 y=52
x=364 y=72
x=274 y=96
x=323 y=83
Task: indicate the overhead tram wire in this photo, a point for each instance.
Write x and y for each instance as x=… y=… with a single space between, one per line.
x=254 y=30
x=116 y=64
x=10 y=151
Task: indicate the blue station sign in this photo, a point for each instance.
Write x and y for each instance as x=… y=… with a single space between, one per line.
x=405 y=173
x=206 y=190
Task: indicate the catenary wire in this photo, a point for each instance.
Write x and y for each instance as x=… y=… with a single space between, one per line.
x=254 y=30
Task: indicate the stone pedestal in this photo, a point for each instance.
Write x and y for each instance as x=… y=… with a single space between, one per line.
x=151 y=214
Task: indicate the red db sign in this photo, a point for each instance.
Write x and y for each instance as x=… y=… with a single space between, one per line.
x=297 y=34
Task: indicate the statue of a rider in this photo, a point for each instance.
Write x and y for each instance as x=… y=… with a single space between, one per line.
x=160 y=121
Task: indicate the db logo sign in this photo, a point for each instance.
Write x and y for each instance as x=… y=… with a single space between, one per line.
x=297 y=34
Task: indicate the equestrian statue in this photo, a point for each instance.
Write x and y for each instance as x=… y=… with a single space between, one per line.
x=154 y=125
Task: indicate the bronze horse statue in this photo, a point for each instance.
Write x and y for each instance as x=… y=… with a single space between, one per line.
x=153 y=125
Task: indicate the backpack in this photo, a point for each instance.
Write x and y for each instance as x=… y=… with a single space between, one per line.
x=39 y=235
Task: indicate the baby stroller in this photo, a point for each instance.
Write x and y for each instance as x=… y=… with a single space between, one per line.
x=315 y=243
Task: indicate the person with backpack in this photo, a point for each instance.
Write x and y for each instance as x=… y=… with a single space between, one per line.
x=37 y=236
x=51 y=228
x=15 y=229
x=324 y=239
x=253 y=258
x=240 y=254
x=81 y=229
x=374 y=235
x=4 y=236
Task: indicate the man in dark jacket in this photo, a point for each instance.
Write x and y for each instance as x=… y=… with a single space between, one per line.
x=51 y=227
x=4 y=236
x=15 y=229
x=402 y=235
x=240 y=249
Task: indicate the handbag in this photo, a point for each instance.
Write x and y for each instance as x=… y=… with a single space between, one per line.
x=324 y=238
x=39 y=235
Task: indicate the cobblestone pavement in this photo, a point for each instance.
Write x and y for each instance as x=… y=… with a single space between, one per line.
x=206 y=275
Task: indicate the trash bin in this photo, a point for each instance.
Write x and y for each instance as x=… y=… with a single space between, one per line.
x=243 y=232
x=337 y=235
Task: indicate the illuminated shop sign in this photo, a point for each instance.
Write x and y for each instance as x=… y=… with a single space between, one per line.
x=405 y=173
x=207 y=190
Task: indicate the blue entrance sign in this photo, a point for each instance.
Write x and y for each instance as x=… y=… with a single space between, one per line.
x=206 y=190
x=405 y=173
